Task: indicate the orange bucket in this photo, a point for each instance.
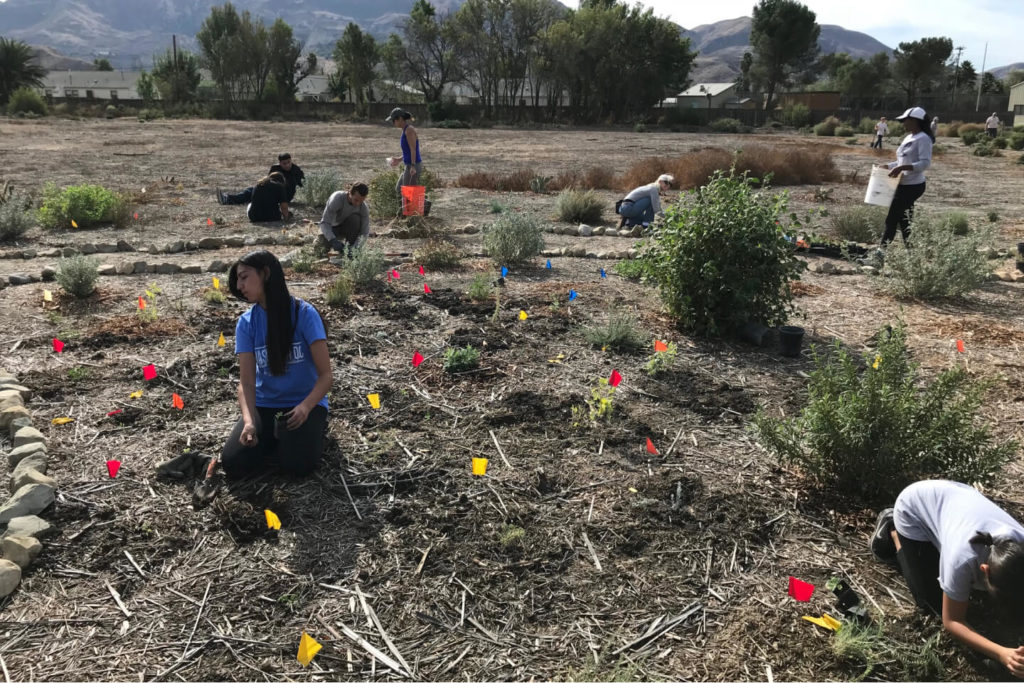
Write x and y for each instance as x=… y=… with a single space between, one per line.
x=413 y=197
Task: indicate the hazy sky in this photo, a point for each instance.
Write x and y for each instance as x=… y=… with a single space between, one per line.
x=968 y=22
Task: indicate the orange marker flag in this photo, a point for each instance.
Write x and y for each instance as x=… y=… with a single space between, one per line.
x=209 y=222
x=960 y=345
x=273 y=521
x=136 y=215
x=308 y=647
x=58 y=345
x=220 y=341
x=177 y=402
x=800 y=590
x=650 y=447
x=660 y=345
x=142 y=304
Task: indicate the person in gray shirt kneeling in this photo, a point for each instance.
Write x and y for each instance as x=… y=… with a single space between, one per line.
x=345 y=224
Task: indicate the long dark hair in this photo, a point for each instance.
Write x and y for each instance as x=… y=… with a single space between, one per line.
x=275 y=177
x=1005 y=568
x=280 y=325
x=926 y=127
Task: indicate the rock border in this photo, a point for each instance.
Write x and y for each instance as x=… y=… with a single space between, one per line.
x=31 y=490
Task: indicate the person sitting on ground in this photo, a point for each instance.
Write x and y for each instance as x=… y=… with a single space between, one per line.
x=293 y=175
x=345 y=224
x=284 y=370
x=641 y=205
x=267 y=200
x=945 y=538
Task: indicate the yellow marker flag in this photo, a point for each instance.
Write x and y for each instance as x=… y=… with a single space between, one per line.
x=216 y=283
x=557 y=359
x=73 y=223
x=878 y=359
x=220 y=341
x=522 y=315
x=273 y=522
x=374 y=400
x=826 y=622
x=308 y=647
x=62 y=420
x=633 y=490
x=135 y=394
x=47 y=295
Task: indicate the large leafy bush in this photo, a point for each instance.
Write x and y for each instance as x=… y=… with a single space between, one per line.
x=86 y=205
x=513 y=238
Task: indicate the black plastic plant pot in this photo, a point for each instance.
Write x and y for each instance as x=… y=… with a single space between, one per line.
x=1020 y=249
x=790 y=339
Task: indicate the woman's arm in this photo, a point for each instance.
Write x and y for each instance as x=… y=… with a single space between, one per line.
x=322 y=361
x=954 y=620
x=247 y=397
x=284 y=210
x=411 y=138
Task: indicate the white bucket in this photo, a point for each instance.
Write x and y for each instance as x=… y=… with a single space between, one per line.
x=881 y=187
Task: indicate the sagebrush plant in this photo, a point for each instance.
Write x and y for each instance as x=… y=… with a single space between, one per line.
x=513 y=238
x=727 y=125
x=598 y=407
x=661 y=361
x=77 y=275
x=461 y=360
x=872 y=425
x=497 y=207
x=214 y=296
x=86 y=205
x=304 y=260
x=438 y=255
x=579 y=206
x=479 y=288
x=339 y=292
x=796 y=114
x=858 y=223
x=631 y=269
x=827 y=128
x=939 y=264
x=25 y=100
x=318 y=186
x=365 y=265
x=970 y=137
x=865 y=644
x=150 y=313
x=511 y=535
x=619 y=333
x=720 y=258
x=957 y=222
x=15 y=219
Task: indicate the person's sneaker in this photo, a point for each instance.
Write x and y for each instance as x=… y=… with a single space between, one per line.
x=221 y=199
x=882 y=545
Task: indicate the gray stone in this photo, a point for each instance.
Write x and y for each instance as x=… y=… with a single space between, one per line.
x=107 y=269
x=124 y=245
x=88 y=248
x=584 y=230
x=192 y=268
x=15 y=456
x=296 y=240
x=21 y=550
x=10 y=577
x=105 y=248
x=28 y=500
x=36 y=461
x=625 y=233
x=28 y=253
x=599 y=230
x=28 y=475
x=19 y=422
x=191 y=245
x=637 y=231
x=140 y=267
x=167 y=268
x=234 y=241
x=28 y=435
x=265 y=239
x=216 y=267
x=69 y=251
x=125 y=268
x=10 y=390
x=868 y=270
x=49 y=274
x=827 y=267
x=250 y=240
x=175 y=247
x=50 y=253
x=11 y=413
x=153 y=249
x=30 y=525
x=20 y=279
x=630 y=253
x=10 y=401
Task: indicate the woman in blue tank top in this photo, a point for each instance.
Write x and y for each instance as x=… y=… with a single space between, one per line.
x=412 y=174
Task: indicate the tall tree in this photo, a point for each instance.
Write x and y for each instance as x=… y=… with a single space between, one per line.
x=102 y=64
x=221 y=45
x=357 y=56
x=177 y=76
x=18 y=68
x=425 y=54
x=1013 y=78
x=146 y=88
x=990 y=84
x=784 y=36
x=863 y=79
x=918 y=64
x=287 y=68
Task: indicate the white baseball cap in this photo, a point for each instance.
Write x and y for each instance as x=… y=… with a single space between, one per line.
x=912 y=113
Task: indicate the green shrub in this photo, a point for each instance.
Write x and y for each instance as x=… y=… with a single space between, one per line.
x=1017 y=141
x=451 y=123
x=620 y=333
x=845 y=132
x=852 y=141
x=479 y=288
x=579 y=206
x=827 y=128
x=720 y=258
x=796 y=114
x=727 y=125
x=939 y=264
x=970 y=137
x=661 y=361
x=15 y=220
x=986 y=149
x=992 y=216
x=631 y=269
x=304 y=261
x=438 y=255
x=365 y=265
x=872 y=427
x=339 y=292
x=539 y=184
x=86 y=205
x=1020 y=160
x=78 y=275
x=513 y=238
x=957 y=222
x=640 y=127
x=866 y=125
x=26 y=100
x=859 y=223
x=318 y=186
x=384 y=200
x=999 y=142
x=461 y=360
x=497 y=207
x=896 y=129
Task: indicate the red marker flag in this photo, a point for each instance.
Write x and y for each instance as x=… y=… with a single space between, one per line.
x=142 y=304
x=177 y=402
x=800 y=590
x=650 y=447
x=136 y=215
x=112 y=467
x=426 y=288
x=422 y=272
x=58 y=345
x=149 y=372
x=615 y=379
x=960 y=345
x=112 y=413
x=395 y=274
x=209 y=222
x=660 y=345
x=416 y=359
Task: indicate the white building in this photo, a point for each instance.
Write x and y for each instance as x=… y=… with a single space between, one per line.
x=92 y=85
x=1016 y=107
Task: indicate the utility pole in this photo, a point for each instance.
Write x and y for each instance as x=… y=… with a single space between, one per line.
x=956 y=75
x=977 y=103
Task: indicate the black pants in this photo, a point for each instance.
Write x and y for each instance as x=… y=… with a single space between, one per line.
x=901 y=211
x=992 y=132
x=919 y=564
x=243 y=197
x=877 y=144
x=293 y=451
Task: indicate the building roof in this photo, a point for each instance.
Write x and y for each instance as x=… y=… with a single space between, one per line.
x=705 y=89
x=101 y=80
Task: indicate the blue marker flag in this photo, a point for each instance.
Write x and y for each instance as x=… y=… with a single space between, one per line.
x=548 y=266
x=602 y=273
x=504 y=271
x=572 y=294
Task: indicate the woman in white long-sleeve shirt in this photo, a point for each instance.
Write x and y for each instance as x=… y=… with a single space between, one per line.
x=913 y=156
x=640 y=206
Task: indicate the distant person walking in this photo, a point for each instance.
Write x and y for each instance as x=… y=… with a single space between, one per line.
x=881 y=130
x=412 y=172
x=640 y=205
x=346 y=221
x=935 y=127
x=992 y=124
x=913 y=157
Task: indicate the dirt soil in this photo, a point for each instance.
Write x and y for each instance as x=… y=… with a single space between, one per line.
x=575 y=544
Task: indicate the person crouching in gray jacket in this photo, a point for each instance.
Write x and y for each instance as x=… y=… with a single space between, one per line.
x=345 y=224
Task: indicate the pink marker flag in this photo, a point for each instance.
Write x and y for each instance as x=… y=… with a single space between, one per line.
x=960 y=345
x=426 y=288
x=149 y=372
x=112 y=467
x=422 y=272
x=395 y=274
x=209 y=222
x=800 y=590
x=58 y=345
x=615 y=379
x=136 y=215
x=416 y=359
x=389 y=276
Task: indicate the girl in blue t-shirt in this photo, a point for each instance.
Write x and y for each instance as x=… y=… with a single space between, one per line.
x=285 y=373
